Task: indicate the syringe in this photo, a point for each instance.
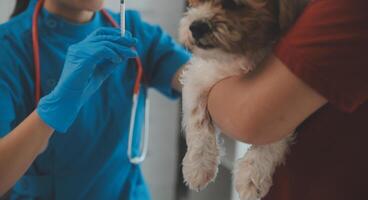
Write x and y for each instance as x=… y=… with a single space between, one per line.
x=122 y=17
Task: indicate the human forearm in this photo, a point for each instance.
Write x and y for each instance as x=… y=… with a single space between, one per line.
x=19 y=149
x=263 y=107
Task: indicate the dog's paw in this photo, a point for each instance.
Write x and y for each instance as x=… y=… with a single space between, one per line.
x=199 y=169
x=251 y=183
x=248 y=190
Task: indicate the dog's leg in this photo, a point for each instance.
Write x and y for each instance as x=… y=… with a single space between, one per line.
x=253 y=173
x=200 y=164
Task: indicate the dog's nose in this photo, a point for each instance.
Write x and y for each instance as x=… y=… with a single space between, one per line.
x=199 y=29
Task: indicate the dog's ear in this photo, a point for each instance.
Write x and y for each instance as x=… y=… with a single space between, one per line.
x=193 y=2
x=282 y=10
x=289 y=11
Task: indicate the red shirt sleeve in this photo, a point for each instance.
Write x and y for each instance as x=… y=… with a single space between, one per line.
x=328 y=49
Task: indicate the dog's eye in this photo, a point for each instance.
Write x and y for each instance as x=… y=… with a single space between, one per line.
x=230 y=5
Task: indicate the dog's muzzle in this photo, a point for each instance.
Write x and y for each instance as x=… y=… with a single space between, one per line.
x=199 y=29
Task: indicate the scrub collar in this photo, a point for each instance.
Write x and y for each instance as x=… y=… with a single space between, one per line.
x=56 y=24
x=51 y=23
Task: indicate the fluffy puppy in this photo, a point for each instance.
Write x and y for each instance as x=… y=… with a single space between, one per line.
x=227 y=38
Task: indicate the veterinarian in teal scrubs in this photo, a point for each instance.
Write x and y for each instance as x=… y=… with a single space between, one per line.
x=87 y=78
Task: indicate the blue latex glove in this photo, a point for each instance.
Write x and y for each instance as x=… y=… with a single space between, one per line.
x=87 y=64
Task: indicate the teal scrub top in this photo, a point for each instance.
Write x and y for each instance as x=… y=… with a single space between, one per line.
x=89 y=161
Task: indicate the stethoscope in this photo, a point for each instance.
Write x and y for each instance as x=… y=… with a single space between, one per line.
x=36 y=53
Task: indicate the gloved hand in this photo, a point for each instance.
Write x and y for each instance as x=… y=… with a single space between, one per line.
x=87 y=64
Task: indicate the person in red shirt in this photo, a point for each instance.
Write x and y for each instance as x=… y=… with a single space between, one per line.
x=315 y=82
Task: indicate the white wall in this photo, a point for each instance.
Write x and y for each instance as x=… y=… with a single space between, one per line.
x=6 y=7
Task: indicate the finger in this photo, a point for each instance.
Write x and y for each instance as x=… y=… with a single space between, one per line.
x=108 y=54
x=122 y=51
x=107 y=31
x=111 y=31
x=126 y=41
x=103 y=70
x=102 y=54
